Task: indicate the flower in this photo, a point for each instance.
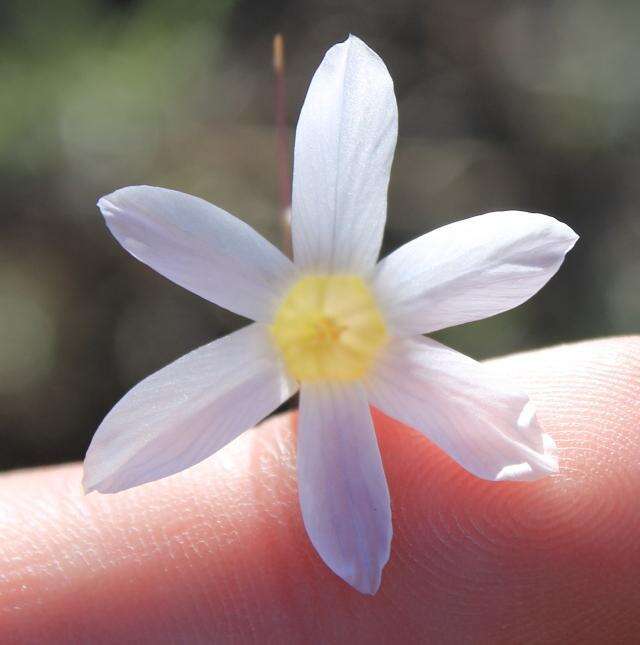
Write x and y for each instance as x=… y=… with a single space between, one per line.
x=344 y=331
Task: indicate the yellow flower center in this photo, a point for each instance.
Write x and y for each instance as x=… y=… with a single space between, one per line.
x=328 y=327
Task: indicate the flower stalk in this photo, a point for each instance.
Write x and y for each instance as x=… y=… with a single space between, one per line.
x=282 y=144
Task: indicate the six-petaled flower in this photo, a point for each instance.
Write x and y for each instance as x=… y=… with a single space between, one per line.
x=344 y=331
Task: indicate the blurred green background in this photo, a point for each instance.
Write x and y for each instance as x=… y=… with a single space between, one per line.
x=526 y=105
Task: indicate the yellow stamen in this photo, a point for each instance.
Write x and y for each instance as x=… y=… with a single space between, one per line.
x=328 y=327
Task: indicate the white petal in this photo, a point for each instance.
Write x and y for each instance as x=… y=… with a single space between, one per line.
x=186 y=411
x=200 y=247
x=470 y=270
x=343 y=490
x=344 y=147
x=487 y=426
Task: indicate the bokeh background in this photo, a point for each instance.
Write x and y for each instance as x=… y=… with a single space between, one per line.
x=527 y=105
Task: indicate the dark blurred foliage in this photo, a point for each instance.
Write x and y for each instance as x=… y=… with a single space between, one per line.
x=525 y=105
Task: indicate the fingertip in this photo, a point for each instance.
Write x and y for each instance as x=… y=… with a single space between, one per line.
x=220 y=552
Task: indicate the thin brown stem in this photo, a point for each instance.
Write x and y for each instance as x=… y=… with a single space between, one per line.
x=282 y=143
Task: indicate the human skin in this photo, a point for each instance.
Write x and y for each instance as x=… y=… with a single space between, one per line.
x=219 y=553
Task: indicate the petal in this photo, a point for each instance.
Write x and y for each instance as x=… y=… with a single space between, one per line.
x=344 y=147
x=487 y=426
x=186 y=411
x=470 y=270
x=200 y=247
x=343 y=490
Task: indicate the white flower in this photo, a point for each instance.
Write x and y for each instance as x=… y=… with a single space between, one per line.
x=342 y=329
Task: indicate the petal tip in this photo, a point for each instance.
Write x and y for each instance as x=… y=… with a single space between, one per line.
x=367 y=579
x=544 y=460
x=350 y=41
x=97 y=482
x=366 y=583
x=566 y=236
x=103 y=202
x=87 y=487
x=106 y=205
x=570 y=237
x=91 y=481
x=352 y=38
x=111 y=200
x=99 y=487
x=551 y=460
x=368 y=590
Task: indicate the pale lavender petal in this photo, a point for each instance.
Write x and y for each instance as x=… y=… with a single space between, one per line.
x=186 y=411
x=344 y=147
x=486 y=425
x=343 y=490
x=469 y=270
x=200 y=247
